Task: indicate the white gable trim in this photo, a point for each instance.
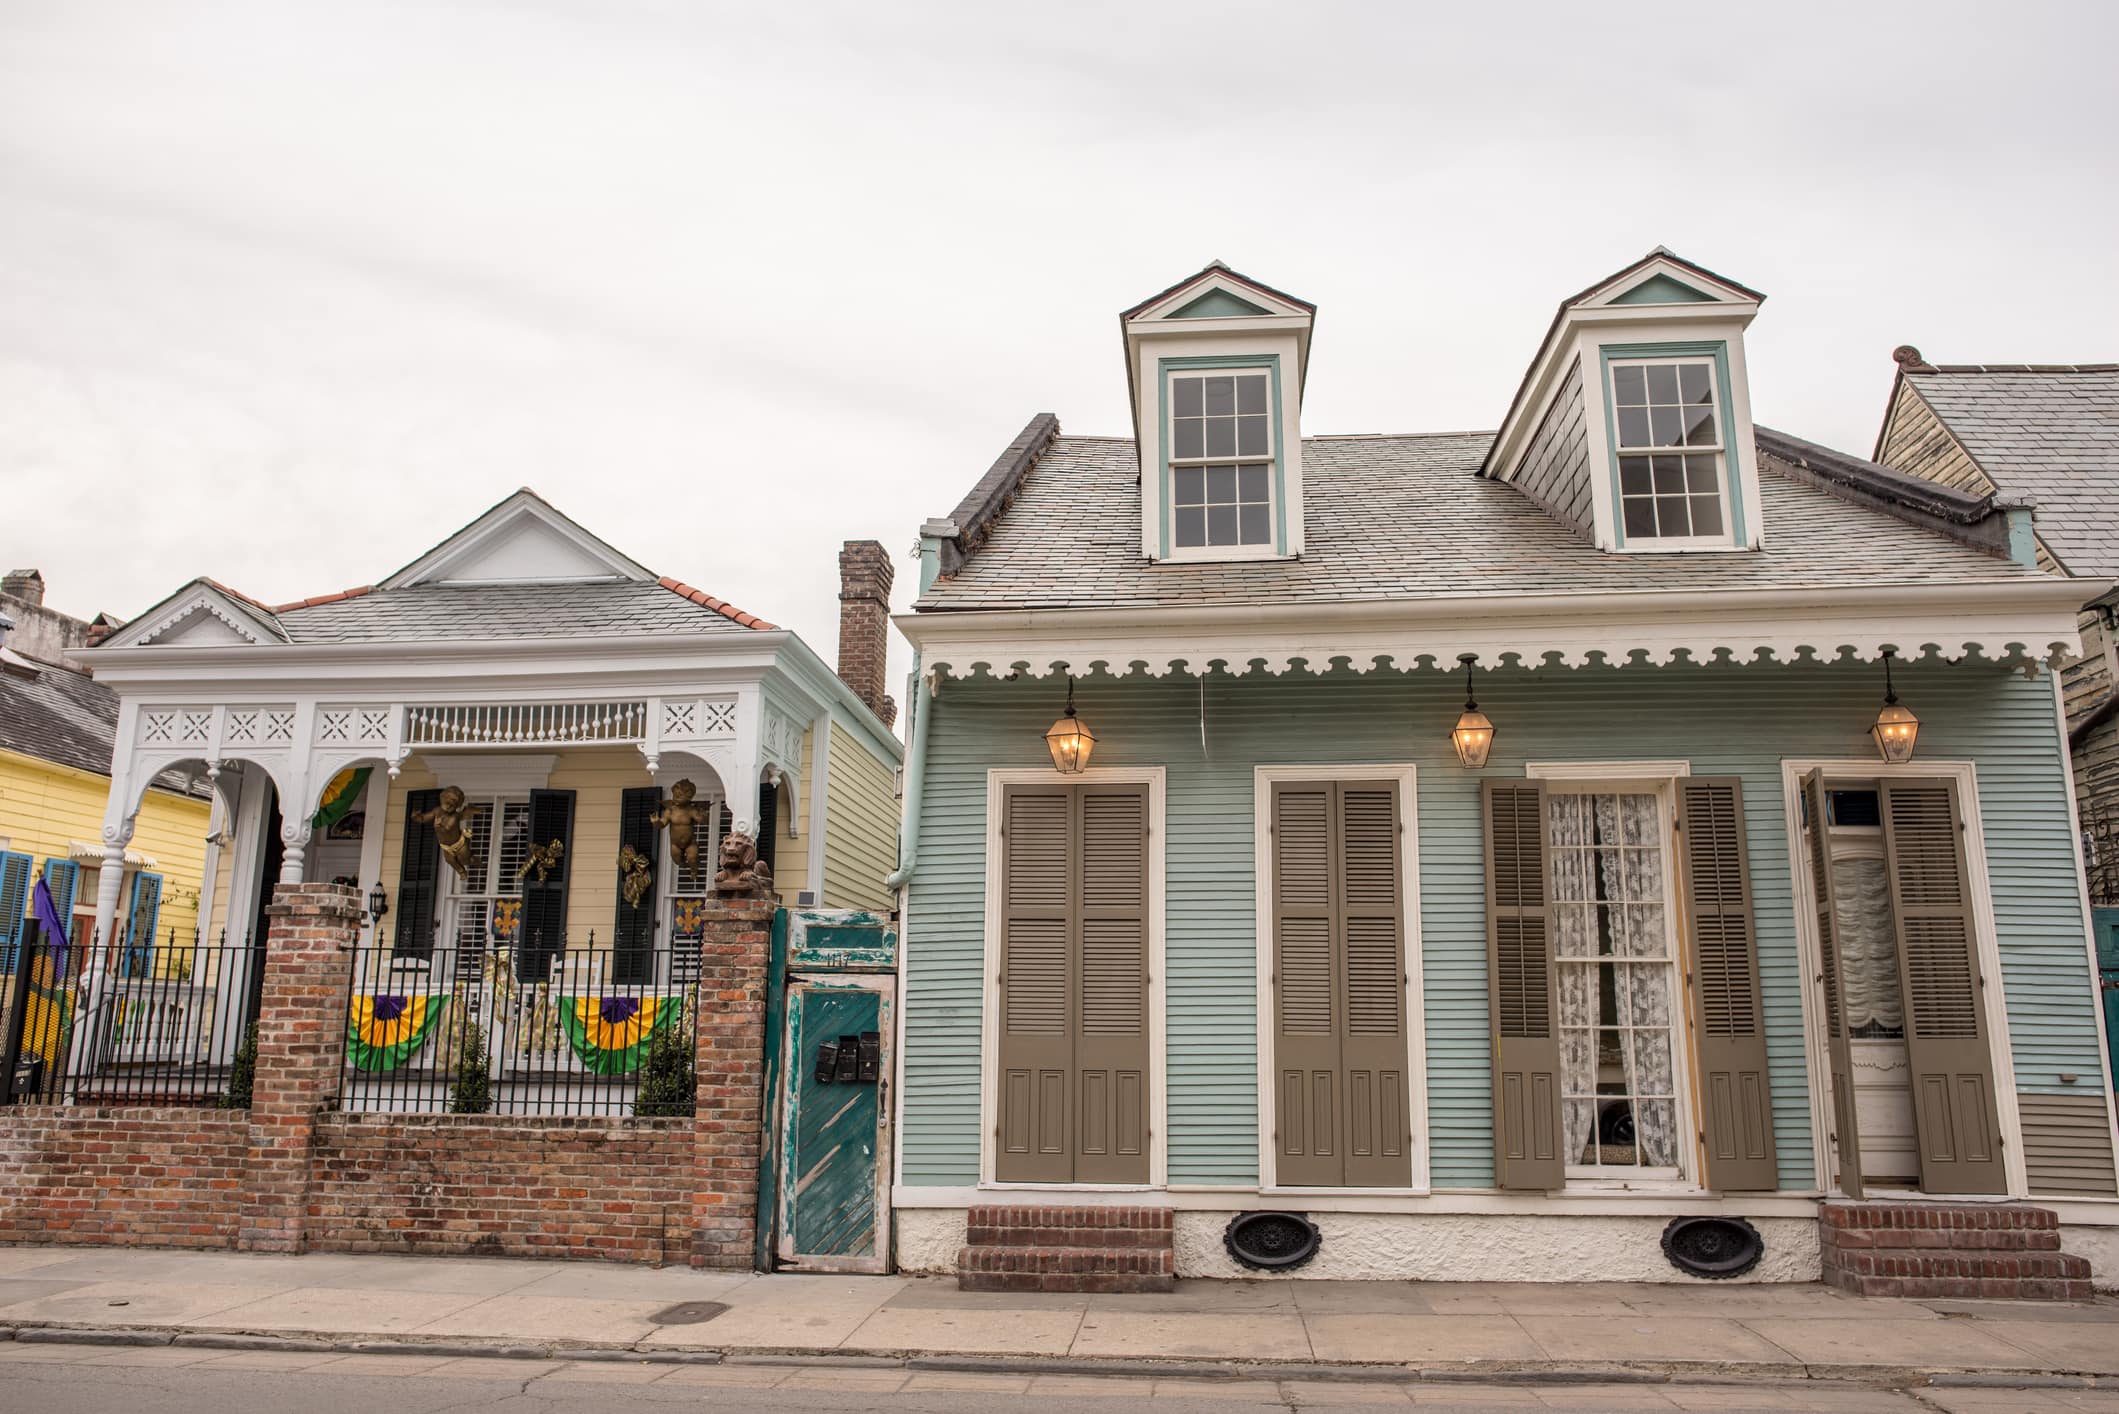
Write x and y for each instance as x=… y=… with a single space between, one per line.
x=194 y=599
x=457 y=559
x=1688 y=275
x=1212 y=280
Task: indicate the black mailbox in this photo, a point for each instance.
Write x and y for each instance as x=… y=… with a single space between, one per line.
x=827 y=1063
x=871 y=1056
x=849 y=1059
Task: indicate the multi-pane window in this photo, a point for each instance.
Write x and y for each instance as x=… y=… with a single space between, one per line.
x=495 y=876
x=1670 y=450
x=1221 y=449
x=1617 y=983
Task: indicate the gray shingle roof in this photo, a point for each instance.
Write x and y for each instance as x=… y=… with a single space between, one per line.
x=1405 y=517
x=67 y=718
x=2050 y=434
x=435 y=612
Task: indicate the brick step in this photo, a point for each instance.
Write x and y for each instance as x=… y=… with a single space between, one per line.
x=1991 y=1251
x=1013 y=1235
x=1077 y=1269
x=995 y=1217
x=1978 y=1217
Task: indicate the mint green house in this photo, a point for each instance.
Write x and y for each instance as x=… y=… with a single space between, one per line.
x=1489 y=847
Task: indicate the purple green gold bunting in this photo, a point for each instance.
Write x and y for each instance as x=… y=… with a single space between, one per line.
x=611 y=1035
x=383 y=1031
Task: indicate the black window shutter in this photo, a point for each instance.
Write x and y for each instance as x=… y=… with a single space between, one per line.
x=768 y=823
x=418 y=877
x=544 y=904
x=633 y=929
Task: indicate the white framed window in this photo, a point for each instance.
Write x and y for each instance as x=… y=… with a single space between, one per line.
x=1221 y=460
x=1622 y=1048
x=499 y=828
x=1673 y=459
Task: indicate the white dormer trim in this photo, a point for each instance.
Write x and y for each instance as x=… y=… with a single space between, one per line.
x=161 y=624
x=456 y=560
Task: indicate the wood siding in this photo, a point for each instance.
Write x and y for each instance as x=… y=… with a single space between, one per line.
x=861 y=833
x=1555 y=470
x=2067 y=1145
x=1916 y=442
x=1728 y=721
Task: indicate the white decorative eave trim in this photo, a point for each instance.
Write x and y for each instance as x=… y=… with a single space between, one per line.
x=81 y=851
x=2018 y=621
x=523 y=504
x=198 y=597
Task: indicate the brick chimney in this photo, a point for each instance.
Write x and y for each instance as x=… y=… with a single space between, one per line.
x=864 y=624
x=25 y=585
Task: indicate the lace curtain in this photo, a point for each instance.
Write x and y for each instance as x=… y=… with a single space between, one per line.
x=1613 y=945
x=1868 y=948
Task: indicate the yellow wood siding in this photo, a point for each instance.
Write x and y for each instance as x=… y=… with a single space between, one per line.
x=791 y=852
x=45 y=809
x=861 y=826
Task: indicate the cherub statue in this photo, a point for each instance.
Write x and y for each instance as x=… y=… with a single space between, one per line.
x=449 y=817
x=743 y=874
x=636 y=873
x=683 y=820
x=544 y=858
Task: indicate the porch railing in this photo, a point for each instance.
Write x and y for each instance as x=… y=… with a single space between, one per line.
x=534 y=1029
x=525 y=724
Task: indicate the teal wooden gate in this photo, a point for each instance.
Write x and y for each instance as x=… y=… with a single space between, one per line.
x=824 y=1191
x=2106 y=923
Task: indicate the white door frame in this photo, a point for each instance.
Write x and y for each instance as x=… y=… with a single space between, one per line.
x=1992 y=996
x=1403 y=775
x=997 y=781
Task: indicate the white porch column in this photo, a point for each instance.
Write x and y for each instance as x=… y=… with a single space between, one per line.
x=94 y=991
x=301 y=791
x=294 y=845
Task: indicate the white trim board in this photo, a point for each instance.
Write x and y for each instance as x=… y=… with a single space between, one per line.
x=1404 y=775
x=1993 y=998
x=997 y=780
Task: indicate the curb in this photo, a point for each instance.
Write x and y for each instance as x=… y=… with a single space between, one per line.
x=1438 y=1372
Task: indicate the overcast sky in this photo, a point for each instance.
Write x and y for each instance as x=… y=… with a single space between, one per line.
x=288 y=291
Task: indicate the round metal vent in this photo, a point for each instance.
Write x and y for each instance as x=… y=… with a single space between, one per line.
x=1271 y=1242
x=1716 y=1248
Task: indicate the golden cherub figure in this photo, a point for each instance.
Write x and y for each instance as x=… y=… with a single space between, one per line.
x=683 y=820
x=449 y=818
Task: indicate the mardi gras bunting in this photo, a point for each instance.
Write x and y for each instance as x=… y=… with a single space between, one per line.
x=611 y=1034
x=383 y=1031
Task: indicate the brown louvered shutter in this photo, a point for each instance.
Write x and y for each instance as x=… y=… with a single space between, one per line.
x=1955 y=1118
x=1846 y=1134
x=1372 y=948
x=1074 y=985
x=1307 y=1022
x=1520 y=989
x=1111 y=1036
x=1728 y=1016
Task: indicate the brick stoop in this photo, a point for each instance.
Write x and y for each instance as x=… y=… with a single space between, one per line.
x=1991 y=1251
x=1068 y=1249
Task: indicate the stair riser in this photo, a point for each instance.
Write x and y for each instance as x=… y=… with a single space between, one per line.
x=981 y=1235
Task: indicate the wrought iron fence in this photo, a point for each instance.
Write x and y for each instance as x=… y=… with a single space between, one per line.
x=527 y=1029
x=162 y=1022
x=2100 y=853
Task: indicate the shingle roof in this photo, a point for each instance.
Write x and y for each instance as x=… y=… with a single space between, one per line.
x=67 y=718
x=1405 y=517
x=436 y=612
x=2047 y=433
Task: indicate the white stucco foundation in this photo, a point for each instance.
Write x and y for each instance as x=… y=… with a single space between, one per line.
x=1429 y=1247
x=2100 y=1245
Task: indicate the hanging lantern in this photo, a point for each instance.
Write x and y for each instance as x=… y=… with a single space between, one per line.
x=1070 y=739
x=1896 y=727
x=1473 y=735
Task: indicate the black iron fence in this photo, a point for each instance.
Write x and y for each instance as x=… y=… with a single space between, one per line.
x=537 y=1029
x=163 y=1023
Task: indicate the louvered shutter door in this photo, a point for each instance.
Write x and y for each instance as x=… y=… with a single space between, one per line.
x=1955 y=1118
x=14 y=902
x=141 y=914
x=418 y=878
x=633 y=927
x=1039 y=863
x=1306 y=1100
x=1846 y=1136
x=1111 y=1040
x=1521 y=990
x=1728 y=1016
x=1372 y=948
x=768 y=834
x=544 y=905
x=63 y=877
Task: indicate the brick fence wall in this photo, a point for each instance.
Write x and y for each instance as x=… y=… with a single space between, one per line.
x=291 y=1174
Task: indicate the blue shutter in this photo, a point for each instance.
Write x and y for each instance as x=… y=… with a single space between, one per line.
x=140 y=922
x=14 y=903
x=64 y=877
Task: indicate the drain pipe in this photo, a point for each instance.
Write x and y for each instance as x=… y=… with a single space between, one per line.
x=921 y=697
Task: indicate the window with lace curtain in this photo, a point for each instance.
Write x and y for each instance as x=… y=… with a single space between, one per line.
x=1617 y=974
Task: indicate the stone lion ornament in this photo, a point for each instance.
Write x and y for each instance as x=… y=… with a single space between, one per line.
x=743 y=874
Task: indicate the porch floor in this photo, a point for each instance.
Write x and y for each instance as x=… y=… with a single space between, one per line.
x=1765 y=1332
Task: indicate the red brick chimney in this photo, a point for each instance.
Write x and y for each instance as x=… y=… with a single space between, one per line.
x=864 y=624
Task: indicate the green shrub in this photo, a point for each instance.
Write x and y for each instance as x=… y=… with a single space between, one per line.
x=667 y=1089
x=472 y=1093
x=243 y=1074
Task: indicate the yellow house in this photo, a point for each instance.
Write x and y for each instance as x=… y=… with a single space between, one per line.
x=56 y=729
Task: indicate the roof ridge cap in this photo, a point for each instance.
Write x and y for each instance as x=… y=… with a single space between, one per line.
x=719 y=606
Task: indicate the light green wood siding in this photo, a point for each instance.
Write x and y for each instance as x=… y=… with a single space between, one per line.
x=860 y=825
x=1724 y=720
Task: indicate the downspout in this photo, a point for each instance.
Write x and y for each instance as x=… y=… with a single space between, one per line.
x=919 y=698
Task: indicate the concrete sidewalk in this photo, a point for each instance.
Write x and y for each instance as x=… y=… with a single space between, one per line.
x=1479 y=1330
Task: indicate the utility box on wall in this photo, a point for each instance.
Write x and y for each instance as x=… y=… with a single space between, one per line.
x=824 y=1183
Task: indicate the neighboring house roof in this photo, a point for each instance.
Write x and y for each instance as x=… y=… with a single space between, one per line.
x=429 y=612
x=68 y=719
x=1406 y=517
x=2045 y=432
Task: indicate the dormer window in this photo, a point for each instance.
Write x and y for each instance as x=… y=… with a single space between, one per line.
x=1671 y=486
x=1221 y=447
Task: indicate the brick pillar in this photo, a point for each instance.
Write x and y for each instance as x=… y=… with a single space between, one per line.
x=865 y=574
x=310 y=933
x=730 y=1072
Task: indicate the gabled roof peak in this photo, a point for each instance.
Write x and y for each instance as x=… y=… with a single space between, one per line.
x=524 y=539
